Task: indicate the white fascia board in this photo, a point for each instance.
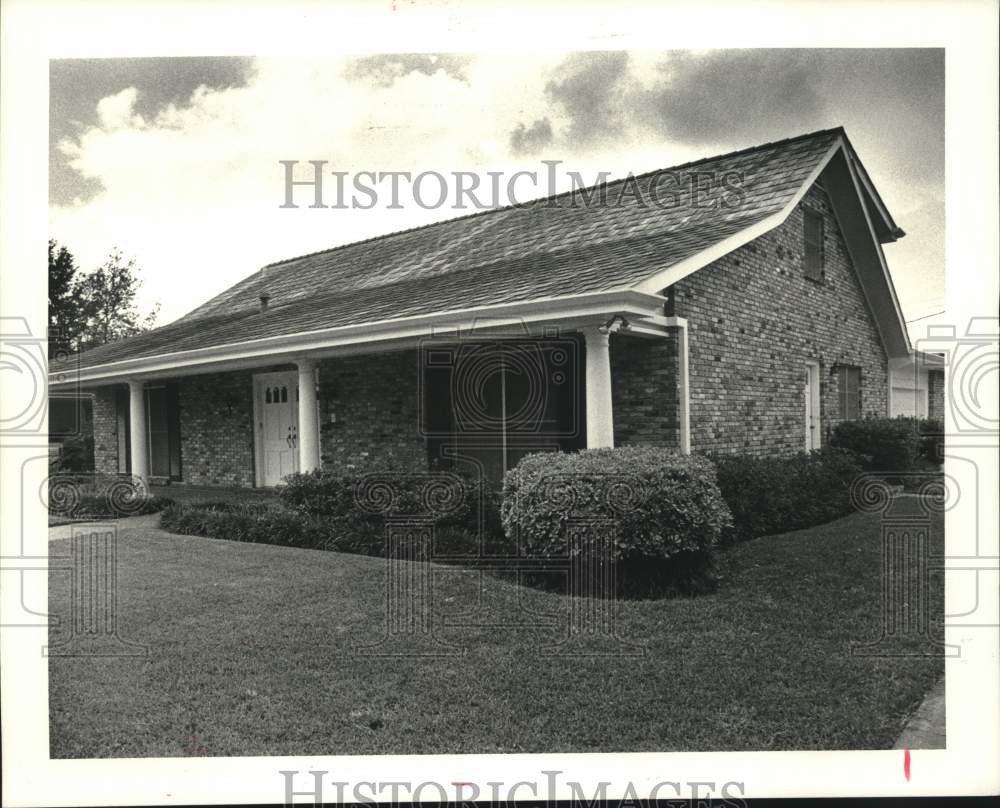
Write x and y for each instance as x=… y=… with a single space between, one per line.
x=676 y=272
x=587 y=308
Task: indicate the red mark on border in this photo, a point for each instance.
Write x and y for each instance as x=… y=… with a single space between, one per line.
x=906 y=765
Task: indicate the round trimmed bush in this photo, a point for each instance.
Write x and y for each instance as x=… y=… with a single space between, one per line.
x=660 y=503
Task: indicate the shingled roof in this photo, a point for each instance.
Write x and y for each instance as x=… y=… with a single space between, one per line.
x=549 y=248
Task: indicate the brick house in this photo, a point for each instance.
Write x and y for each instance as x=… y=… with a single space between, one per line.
x=740 y=303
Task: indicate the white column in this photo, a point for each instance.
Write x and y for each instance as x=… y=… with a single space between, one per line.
x=138 y=435
x=308 y=417
x=683 y=388
x=600 y=426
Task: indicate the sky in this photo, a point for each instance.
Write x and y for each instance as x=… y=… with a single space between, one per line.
x=176 y=161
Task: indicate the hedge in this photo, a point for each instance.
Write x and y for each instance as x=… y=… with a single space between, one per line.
x=365 y=501
x=891 y=445
x=94 y=496
x=257 y=523
x=271 y=523
x=769 y=495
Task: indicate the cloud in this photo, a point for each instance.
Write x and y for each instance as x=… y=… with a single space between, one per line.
x=751 y=92
x=592 y=90
x=77 y=85
x=117 y=111
x=193 y=191
x=385 y=69
x=531 y=139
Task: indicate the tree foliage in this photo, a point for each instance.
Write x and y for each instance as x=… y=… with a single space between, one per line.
x=87 y=310
x=66 y=317
x=109 y=302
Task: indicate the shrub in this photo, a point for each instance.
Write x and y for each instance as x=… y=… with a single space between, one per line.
x=247 y=522
x=76 y=454
x=888 y=444
x=768 y=495
x=93 y=496
x=930 y=444
x=361 y=503
x=661 y=503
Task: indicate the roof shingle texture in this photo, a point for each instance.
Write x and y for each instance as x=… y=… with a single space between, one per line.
x=553 y=247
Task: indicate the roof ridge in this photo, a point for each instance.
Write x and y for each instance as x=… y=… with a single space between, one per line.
x=531 y=202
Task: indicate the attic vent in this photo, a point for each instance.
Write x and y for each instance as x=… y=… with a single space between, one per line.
x=265 y=298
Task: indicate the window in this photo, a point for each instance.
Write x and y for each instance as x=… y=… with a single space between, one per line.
x=849 y=391
x=813 y=243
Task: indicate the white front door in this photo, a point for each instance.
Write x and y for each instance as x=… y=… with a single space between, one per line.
x=811 y=395
x=276 y=397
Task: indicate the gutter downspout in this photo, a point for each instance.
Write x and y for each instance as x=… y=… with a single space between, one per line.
x=683 y=382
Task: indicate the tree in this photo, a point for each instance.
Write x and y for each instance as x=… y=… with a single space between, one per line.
x=108 y=298
x=66 y=315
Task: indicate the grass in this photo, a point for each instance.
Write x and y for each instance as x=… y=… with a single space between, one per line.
x=253 y=651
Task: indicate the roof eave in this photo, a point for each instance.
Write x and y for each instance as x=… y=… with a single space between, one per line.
x=567 y=311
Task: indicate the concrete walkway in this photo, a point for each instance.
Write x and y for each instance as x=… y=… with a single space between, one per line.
x=926 y=727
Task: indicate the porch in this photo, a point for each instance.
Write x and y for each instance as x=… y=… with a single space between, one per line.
x=478 y=397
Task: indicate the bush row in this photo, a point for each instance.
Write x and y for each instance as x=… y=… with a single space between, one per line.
x=95 y=496
x=248 y=522
x=266 y=523
x=768 y=495
x=892 y=445
x=364 y=502
x=655 y=515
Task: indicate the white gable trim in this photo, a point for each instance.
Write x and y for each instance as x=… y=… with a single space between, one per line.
x=676 y=272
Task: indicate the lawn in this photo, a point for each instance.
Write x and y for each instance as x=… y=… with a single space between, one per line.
x=253 y=650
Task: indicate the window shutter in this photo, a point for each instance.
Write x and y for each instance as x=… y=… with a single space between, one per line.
x=854 y=392
x=813 y=245
x=849 y=394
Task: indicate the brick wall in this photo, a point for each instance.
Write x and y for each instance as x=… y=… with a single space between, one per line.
x=216 y=422
x=373 y=400
x=755 y=320
x=935 y=394
x=644 y=391
x=105 y=431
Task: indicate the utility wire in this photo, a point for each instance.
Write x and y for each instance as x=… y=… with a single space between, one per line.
x=935 y=314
